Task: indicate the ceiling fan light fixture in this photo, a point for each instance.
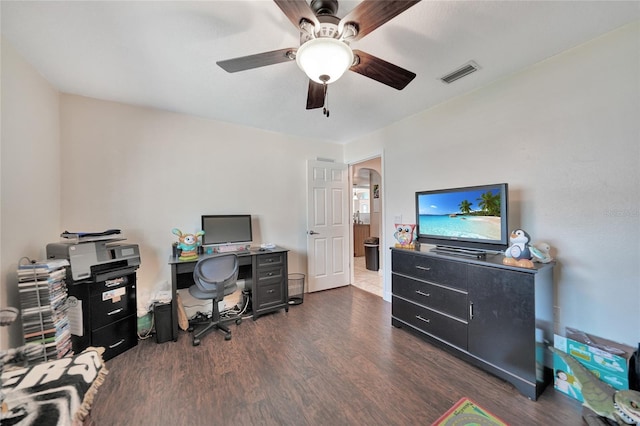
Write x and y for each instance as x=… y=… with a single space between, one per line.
x=324 y=59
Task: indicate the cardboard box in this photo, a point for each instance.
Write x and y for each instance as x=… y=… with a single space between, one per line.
x=607 y=360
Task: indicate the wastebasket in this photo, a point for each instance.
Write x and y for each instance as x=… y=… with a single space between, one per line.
x=296 y=288
x=371 y=254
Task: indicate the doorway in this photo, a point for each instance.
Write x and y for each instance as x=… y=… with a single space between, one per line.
x=366 y=214
x=328 y=225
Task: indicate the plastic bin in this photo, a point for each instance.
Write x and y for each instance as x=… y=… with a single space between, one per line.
x=371 y=253
x=296 y=288
x=144 y=323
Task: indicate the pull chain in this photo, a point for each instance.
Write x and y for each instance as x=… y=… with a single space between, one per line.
x=325 y=109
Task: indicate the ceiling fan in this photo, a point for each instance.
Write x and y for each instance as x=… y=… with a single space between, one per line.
x=324 y=53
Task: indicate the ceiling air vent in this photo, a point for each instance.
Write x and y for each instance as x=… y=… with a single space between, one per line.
x=464 y=70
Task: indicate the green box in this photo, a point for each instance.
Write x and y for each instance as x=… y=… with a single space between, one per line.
x=610 y=368
x=144 y=323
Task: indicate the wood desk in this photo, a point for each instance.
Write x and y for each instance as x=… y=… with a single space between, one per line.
x=265 y=273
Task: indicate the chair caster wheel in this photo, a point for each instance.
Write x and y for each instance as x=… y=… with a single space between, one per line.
x=227 y=336
x=238 y=321
x=196 y=342
x=190 y=329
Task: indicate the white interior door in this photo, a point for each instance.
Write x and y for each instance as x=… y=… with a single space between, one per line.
x=327 y=225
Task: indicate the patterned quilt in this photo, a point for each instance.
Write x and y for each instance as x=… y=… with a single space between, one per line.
x=53 y=393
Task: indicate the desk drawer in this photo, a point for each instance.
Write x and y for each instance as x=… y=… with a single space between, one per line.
x=268 y=275
x=444 y=299
x=440 y=271
x=117 y=337
x=271 y=259
x=270 y=294
x=430 y=322
x=184 y=267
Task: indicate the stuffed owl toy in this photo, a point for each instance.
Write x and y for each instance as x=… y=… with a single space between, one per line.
x=405 y=235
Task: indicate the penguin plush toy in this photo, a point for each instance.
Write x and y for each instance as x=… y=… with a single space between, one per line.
x=518 y=253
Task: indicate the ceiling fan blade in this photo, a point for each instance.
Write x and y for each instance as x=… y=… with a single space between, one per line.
x=296 y=10
x=370 y=14
x=315 y=96
x=382 y=71
x=255 y=61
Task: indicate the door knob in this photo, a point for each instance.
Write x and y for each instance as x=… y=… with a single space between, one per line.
x=313 y=233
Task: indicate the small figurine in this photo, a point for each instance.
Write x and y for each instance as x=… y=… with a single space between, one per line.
x=189 y=244
x=518 y=253
x=405 y=235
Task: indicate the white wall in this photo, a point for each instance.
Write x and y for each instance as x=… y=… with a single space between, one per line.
x=565 y=135
x=29 y=176
x=147 y=171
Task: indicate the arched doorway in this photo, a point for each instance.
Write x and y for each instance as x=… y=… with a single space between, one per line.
x=366 y=212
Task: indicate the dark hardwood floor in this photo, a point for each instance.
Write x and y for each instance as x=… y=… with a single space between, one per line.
x=333 y=360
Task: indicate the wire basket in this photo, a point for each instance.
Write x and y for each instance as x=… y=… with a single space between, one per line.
x=296 y=289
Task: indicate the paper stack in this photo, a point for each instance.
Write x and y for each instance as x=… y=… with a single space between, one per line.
x=43 y=296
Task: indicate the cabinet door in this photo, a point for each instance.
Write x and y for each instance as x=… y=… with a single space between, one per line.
x=502 y=319
x=360 y=233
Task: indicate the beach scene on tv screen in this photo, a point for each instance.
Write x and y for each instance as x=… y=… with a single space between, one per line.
x=470 y=214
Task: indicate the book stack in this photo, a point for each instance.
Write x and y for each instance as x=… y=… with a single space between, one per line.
x=43 y=296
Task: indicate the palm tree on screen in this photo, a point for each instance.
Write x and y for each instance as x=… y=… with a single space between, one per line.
x=465 y=206
x=490 y=203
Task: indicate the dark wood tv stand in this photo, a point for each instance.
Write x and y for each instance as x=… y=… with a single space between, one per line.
x=480 y=310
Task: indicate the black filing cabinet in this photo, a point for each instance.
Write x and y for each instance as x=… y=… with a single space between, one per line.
x=108 y=306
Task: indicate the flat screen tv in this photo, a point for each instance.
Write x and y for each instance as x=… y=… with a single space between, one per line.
x=226 y=229
x=473 y=217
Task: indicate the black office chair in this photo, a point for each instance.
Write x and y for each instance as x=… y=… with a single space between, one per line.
x=215 y=277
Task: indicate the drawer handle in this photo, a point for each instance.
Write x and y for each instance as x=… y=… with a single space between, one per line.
x=269 y=274
x=423 y=268
x=423 y=319
x=271 y=291
x=116 y=344
x=471 y=310
x=422 y=293
x=270 y=260
x=112 y=283
x=116 y=311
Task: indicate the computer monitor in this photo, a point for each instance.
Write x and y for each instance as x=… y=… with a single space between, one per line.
x=226 y=229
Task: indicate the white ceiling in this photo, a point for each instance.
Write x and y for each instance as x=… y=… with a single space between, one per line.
x=163 y=55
